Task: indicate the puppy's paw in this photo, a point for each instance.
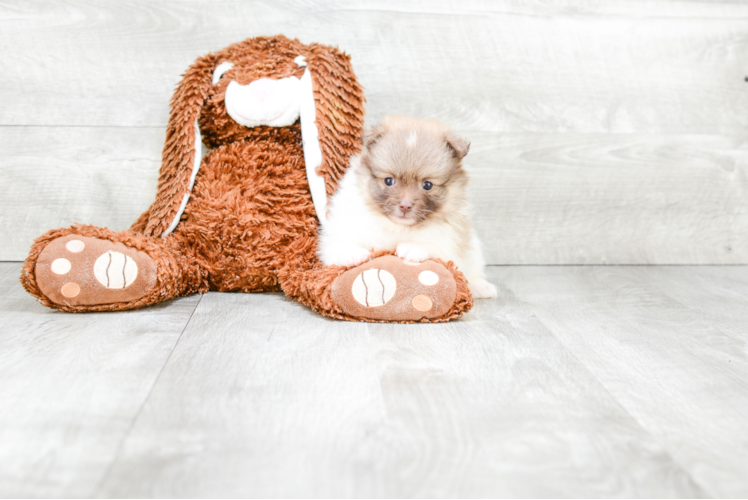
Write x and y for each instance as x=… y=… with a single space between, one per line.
x=350 y=256
x=412 y=252
x=482 y=289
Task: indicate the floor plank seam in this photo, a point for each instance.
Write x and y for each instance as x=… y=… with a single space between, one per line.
x=623 y=408
x=135 y=418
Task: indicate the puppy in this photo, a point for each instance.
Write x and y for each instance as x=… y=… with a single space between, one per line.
x=406 y=190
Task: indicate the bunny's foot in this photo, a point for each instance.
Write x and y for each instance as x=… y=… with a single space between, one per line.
x=76 y=270
x=390 y=289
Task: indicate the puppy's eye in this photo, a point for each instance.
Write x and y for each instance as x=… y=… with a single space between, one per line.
x=389 y=181
x=427 y=185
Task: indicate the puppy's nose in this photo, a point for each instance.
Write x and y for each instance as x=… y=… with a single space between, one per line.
x=405 y=206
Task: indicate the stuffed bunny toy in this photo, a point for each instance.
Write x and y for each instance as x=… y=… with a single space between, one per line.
x=282 y=120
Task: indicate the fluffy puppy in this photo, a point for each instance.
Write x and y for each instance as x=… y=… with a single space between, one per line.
x=407 y=190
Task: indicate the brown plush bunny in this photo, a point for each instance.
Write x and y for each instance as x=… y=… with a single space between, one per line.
x=282 y=119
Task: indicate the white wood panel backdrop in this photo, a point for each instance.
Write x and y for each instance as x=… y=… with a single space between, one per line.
x=602 y=132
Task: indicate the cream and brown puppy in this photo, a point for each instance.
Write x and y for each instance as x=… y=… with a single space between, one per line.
x=407 y=190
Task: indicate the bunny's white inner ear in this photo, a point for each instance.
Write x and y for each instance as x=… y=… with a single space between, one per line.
x=197 y=152
x=310 y=139
x=220 y=70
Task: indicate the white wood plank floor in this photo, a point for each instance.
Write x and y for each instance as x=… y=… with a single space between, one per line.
x=578 y=381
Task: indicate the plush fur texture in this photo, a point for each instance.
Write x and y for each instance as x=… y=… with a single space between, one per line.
x=249 y=224
x=406 y=189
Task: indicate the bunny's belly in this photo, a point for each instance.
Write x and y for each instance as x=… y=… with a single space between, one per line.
x=250 y=213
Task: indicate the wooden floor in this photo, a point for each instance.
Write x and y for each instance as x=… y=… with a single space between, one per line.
x=578 y=381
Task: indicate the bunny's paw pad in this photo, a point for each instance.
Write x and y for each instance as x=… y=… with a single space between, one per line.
x=391 y=289
x=81 y=270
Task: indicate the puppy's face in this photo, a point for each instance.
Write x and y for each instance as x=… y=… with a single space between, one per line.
x=413 y=169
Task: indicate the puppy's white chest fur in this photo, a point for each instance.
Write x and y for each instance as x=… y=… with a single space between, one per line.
x=353 y=229
x=353 y=222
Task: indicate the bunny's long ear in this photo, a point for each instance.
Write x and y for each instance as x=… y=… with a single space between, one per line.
x=339 y=102
x=181 y=156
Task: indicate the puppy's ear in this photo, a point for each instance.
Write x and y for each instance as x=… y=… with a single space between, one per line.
x=457 y=145
x=372 y=135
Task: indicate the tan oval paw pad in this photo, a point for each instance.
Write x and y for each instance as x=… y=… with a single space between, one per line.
x=422 y=303
x=70 y=290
